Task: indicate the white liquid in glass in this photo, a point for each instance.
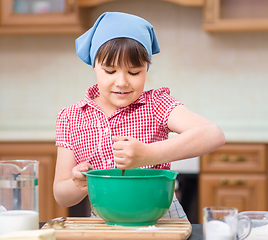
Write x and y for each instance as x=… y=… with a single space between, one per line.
x=17 y=220
x=218 y=230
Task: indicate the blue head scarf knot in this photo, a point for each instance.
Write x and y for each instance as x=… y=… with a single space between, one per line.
x=112 y=25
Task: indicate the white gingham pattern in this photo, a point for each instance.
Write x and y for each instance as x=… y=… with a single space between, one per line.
x=85 y=129
x=175 y=210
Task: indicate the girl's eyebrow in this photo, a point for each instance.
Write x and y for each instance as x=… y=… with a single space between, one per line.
x=105 y=65
x=126 y=65
x=136 y=68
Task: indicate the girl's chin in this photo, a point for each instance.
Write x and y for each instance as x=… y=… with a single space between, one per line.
x=122 y=105
x=122 y=102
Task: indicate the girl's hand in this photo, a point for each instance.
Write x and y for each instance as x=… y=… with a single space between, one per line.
x=79 y=178
x=130 y=153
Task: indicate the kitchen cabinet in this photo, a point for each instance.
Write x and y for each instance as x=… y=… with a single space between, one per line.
x=235 y=15
x=45 y=153
x=93 y=3
x=235 y=175
x=40 y=17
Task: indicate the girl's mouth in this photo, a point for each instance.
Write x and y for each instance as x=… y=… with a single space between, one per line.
x=121 y=93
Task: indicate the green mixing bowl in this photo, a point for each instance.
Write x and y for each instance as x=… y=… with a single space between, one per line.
x=139 y=198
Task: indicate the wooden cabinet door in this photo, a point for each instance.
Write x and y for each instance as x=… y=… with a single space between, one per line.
x=235 y=15
x=45 y=153
x=27 y=19
x=246 y=192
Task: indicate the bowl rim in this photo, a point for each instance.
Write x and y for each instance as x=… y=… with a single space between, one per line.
x=91 y=172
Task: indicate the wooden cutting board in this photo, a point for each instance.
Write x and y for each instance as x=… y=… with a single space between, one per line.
x=77 y=228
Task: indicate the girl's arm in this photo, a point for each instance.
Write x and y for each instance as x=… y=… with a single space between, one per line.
x=196 y=136
x=69 y=186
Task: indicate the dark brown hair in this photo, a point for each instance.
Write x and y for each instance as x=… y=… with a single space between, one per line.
x=122 y=51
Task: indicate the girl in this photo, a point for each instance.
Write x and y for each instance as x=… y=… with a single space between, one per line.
x=93 y=132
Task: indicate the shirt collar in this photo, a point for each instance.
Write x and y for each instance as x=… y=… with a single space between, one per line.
x=93 y=92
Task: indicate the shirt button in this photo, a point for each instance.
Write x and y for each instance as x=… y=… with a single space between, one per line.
x=106 y=130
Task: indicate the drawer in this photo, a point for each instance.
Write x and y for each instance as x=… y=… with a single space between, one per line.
x=246 y=192
x=235 y=158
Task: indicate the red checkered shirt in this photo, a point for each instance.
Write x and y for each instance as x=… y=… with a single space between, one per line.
x=85 y=129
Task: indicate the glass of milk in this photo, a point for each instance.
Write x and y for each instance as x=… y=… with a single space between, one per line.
x=221 y=223
x=18 y=195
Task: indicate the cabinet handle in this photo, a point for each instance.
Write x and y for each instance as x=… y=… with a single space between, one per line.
x=233 y=158
x=233 y=182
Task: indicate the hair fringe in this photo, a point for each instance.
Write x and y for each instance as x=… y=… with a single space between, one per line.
x=122 y=51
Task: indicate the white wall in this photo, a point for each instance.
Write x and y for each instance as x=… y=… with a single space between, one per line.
x=222 y=76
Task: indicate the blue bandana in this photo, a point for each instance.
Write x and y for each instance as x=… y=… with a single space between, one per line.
x=112 y=25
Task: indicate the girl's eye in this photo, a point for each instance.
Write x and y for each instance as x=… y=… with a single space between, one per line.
x=133 y=74
x=110 y=72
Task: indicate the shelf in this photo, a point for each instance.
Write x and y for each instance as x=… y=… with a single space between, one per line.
x=235 y=15
x=94 y=3
x=25 y=20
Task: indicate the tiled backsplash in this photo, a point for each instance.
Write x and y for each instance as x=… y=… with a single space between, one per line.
x=222 y=76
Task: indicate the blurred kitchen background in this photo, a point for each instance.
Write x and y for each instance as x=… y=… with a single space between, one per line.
x=214 y=67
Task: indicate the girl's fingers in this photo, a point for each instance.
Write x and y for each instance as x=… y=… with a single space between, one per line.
x=84 y=166
x=119 y=154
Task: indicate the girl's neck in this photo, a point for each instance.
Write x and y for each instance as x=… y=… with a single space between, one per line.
x=108 y=111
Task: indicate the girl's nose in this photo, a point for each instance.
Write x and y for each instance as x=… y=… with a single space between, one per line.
x=121 y=80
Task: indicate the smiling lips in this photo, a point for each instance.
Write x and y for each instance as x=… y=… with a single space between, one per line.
x=121 y=93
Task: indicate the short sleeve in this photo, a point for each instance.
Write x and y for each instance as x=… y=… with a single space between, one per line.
x=63 y=130
x=163 y=106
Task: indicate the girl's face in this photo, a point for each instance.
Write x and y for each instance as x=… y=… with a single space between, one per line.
x=119 y=86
